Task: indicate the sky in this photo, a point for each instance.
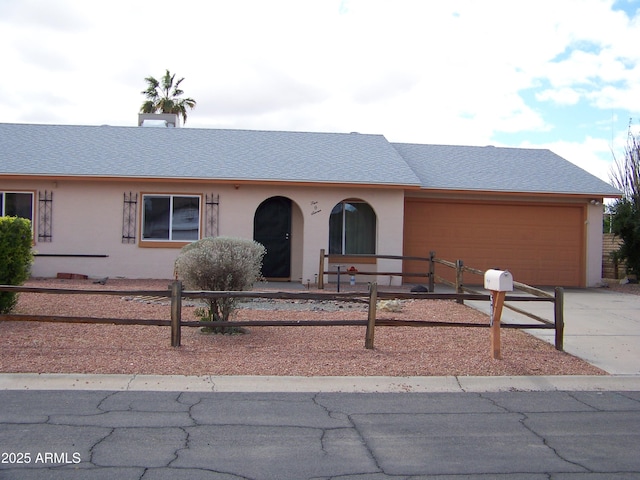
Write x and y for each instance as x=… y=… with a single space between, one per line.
x=556 y=74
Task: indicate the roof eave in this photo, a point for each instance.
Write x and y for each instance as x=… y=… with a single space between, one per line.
x=227 y=181
x=520 y=193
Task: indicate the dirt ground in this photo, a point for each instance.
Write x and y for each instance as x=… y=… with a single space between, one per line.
x=616 y=286
x=44 y=347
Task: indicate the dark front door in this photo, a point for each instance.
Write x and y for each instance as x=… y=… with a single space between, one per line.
x=272 y=228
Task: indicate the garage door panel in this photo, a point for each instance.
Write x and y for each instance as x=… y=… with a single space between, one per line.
x=539 y=244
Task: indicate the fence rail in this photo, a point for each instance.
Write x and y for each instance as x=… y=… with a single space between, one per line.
x=557 y=299
x=176 y=293
x=322 y=271
x=537 y=295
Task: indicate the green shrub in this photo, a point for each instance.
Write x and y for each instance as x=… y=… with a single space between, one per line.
x=220 y=264
x=625 y=223
x=16 y=257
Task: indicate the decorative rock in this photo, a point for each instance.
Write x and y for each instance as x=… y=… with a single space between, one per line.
x=390 y=306
x=419 y=289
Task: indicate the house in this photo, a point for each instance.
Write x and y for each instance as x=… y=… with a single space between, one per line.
x=122 y=201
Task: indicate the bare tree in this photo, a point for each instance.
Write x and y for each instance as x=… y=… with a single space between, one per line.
x=625 y=173
x=625 y=212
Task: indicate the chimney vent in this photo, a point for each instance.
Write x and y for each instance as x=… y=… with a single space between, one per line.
x=163 y=120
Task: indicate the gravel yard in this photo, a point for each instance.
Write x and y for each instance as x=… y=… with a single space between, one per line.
x=328 y=350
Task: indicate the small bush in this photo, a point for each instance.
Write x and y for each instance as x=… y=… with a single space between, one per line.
x=16 y=257
x=220 y=264
x=625 y=223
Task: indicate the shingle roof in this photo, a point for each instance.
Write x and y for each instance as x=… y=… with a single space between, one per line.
x=184 y=153
x=495 y=169
x=214 y=154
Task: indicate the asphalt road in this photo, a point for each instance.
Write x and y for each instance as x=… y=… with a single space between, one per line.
x=153 y=435
x=366 y=428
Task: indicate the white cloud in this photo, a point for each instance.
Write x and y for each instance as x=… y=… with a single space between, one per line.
x=438 y=72
x=593 y=155
x=563 y=96
x=34 y=14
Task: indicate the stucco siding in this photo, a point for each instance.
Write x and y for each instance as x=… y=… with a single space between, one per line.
x=594 y=244
x=87 y=220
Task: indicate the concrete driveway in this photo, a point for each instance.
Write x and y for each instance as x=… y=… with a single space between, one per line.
x=601 y=326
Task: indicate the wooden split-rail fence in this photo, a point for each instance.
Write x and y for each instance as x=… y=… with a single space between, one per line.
x=176 y=294
x=463 y=292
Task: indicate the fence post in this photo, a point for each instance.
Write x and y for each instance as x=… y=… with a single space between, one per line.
x=176 y=312
x=497 y=302
x=558 y=305
x=459 y=265
x=321 y=271
x=371 y=324
x=432 y=271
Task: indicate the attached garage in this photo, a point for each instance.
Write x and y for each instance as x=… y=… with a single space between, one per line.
x=539 y=244
x=525 y=210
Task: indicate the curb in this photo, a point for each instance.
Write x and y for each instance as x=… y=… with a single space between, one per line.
x=256 y=384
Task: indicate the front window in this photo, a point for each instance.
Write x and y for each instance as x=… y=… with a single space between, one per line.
x=16 y=204
x=352 y=229
x=171 y=217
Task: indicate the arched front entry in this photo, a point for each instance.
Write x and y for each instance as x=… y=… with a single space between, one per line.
x=272 y=228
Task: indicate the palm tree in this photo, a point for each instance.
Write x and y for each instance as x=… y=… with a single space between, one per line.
x=164 y=97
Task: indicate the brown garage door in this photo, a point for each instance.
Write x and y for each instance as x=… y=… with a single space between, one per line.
x=538 y=244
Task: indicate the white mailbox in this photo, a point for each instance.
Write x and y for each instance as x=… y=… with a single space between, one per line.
x=498 y=280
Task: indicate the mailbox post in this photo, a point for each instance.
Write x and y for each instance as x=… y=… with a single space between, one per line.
x=498 y=282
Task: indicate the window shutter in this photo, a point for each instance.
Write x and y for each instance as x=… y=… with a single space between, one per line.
x=129 y=212
x=212 y=205
x=45 y=204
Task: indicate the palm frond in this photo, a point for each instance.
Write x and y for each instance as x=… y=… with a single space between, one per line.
x=167 y=82
x=163 y=96
x=176 y=89
x=148 y=107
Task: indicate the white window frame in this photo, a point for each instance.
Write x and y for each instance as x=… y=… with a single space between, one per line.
x=344 y=233
x=4 y=193
x=171 y=197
